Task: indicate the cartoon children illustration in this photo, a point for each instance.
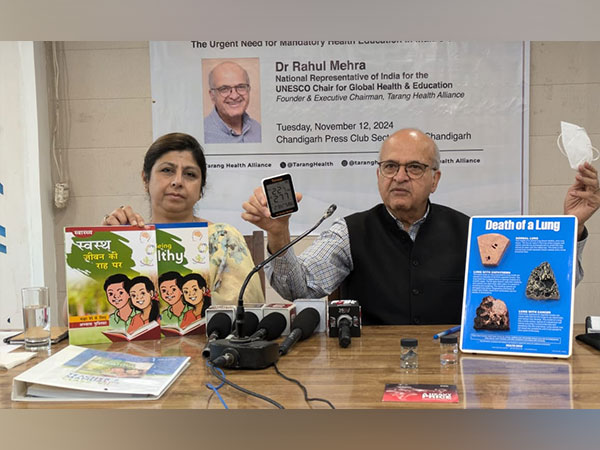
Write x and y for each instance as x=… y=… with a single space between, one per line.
x=171 y=293
x=118 y=297
x=141 y=291
x=196 y=295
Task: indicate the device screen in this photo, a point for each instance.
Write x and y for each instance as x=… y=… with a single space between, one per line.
x=280 y=195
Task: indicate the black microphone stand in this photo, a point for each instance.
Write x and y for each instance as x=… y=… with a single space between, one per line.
x=240 y=352
x=239 y=314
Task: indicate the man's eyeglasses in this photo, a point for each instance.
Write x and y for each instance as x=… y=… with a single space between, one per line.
x=413 y=169
x=224 y=91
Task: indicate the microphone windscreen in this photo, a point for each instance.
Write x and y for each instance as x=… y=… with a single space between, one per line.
x=274 y=324
x=307 y=320
x=250 y=323
x=221 y=323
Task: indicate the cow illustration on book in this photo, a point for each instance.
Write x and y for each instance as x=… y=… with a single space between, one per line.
x=142 y=294
x=170 y=292
x=118 y=297
x=196 y=295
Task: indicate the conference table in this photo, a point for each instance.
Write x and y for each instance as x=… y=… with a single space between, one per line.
x=355 y=377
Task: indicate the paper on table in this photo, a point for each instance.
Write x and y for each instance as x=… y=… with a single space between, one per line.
x=10 y=360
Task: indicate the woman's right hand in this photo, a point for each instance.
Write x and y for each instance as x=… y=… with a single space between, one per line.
x=124 y=215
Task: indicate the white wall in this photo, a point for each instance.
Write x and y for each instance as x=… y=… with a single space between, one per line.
x=26 y=208
x=565 y=85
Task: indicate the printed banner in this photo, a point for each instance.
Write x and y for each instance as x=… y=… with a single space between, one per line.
x=320 y=110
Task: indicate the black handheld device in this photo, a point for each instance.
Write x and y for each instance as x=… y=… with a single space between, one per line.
x=280 y=194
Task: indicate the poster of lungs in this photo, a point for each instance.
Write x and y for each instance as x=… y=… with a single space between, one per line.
x=320 y=111
x=520 y=286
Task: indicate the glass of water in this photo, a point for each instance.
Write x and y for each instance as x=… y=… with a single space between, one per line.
x=36 y=318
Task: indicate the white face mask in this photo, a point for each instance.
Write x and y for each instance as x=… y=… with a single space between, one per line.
x=576 y=145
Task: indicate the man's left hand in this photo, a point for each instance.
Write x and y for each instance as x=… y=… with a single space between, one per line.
x=583 y=197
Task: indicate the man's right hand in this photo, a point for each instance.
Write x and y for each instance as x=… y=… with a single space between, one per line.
x=257 y=212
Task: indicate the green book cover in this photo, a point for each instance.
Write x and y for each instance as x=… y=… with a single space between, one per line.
x=183 y=277
x=111 y=276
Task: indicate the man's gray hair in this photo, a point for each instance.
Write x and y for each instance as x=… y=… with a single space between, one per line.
x=211 y=83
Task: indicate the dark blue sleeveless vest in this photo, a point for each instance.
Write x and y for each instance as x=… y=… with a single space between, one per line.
x=398 y=282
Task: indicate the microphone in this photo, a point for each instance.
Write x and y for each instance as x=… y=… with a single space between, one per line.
x=239 y=314
x=344 y=320
x=288 y=310
x=329 y=212
x=344 y=323
x=250 y=323
x=303 y=327
x=218 y=327
x=320 y=304
x=216 y=309
x=270 y=327
x=240 y=352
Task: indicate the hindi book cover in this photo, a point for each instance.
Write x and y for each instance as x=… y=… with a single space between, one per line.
x=111 y=276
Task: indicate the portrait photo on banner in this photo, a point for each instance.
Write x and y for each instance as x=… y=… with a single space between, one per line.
x=231 y=95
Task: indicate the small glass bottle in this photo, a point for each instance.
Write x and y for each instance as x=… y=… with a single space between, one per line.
x=448 y=350
x=409 y=356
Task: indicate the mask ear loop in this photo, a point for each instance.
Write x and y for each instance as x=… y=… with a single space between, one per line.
x=562 y=150
x=559 y=145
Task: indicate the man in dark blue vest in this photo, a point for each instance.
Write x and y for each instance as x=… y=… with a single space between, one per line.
x=404 y=259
